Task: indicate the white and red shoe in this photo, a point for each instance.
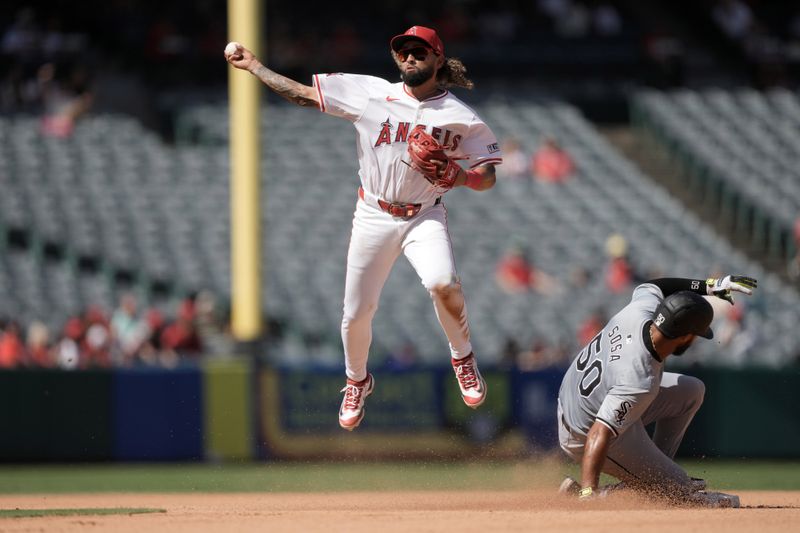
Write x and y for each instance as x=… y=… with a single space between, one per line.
x=470 y=381
x=355 y=393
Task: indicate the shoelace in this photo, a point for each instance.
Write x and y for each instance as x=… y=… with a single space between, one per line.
x=352 y=396
x=466 y=375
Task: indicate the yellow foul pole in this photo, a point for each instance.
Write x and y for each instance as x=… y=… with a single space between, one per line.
x=244 y=91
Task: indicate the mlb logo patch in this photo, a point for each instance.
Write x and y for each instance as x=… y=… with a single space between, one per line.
x=494 y=147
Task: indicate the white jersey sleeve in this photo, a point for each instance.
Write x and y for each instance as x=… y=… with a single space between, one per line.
x=343 y=95
x=481 y=146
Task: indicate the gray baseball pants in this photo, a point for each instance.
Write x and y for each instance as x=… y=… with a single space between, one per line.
x=636 y=458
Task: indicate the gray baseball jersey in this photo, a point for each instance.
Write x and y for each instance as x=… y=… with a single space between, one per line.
x=614 y=379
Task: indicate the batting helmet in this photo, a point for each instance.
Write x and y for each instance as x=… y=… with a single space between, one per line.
x=682 y=313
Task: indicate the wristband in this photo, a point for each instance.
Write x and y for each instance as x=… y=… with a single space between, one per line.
x=474 y=179
x=585 y=493
x=710 y=285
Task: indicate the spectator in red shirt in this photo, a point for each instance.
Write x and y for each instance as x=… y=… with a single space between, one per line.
x=12 y=349
x=181 y=336
x=516 y=274
x=591 y=326
x=551 y=163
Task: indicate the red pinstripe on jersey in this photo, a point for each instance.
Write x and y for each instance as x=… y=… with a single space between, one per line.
x=319 y=92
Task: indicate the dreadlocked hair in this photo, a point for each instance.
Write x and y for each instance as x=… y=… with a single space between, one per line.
x=453 y=74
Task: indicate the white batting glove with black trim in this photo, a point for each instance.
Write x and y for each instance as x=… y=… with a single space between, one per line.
x=723 y=287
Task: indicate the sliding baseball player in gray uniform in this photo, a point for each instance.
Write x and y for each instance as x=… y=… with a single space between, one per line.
x=617 y=385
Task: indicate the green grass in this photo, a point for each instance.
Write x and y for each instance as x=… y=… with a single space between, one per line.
x=746 y=474
x=316 y=477
x=31 y=513
x=272 y=477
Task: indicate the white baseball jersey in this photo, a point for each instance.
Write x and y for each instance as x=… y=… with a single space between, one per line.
x=615 y=378
x=384 y=114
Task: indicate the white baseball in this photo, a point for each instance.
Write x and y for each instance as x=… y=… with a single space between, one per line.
x=232 y=48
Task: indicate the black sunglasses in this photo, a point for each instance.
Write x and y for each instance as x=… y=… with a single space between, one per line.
x=420 y=53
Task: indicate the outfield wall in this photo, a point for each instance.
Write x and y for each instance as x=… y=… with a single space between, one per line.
x=222 y=411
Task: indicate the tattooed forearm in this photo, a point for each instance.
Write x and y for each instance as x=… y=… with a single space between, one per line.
x=295 y=92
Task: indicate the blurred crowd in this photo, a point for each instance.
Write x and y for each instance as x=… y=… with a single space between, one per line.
x=49 y=52
x=46 y=72
x=124 y=56
x=128 y=336
x=766 y=34
x=516 y=273
x=170 y=41
x=61 y=63
x=549 y=162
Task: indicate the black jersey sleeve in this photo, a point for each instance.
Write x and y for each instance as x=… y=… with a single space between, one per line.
x=672 y=285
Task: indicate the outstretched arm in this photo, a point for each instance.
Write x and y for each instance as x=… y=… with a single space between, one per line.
x=297 y=93
x=719 y=287
x=672 y=285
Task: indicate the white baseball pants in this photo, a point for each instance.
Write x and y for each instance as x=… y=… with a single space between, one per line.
x=377 y=240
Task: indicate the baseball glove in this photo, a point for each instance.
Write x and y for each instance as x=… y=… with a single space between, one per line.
x=428 y=158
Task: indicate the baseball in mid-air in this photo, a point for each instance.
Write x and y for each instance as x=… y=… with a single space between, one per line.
x=232 y=48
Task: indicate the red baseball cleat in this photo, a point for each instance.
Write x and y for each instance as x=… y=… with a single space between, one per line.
x=470 y=381
x=352 y=410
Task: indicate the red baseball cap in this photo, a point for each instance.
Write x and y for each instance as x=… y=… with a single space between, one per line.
x=420 y=33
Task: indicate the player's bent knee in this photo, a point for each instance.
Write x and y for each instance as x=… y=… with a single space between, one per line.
x=440 y=281
x=694 y=388
x=445 y=289
x=440 y=291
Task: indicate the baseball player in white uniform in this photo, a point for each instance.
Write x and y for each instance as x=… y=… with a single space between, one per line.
x=400 y=208
x=617 y=385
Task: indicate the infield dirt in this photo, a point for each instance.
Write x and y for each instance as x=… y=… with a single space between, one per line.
x=385 y=512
